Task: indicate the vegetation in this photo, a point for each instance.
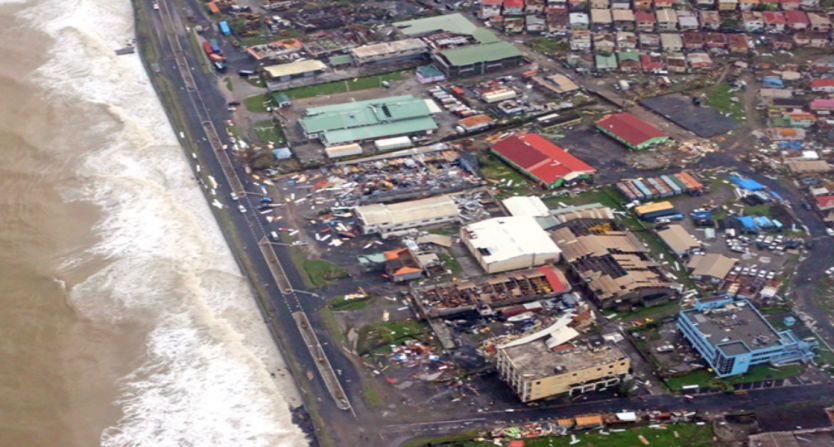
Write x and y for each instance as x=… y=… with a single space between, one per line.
x=494 y=170
x=258 y=103
x=332 y=88
x=229 y=85
x=549 y=47
x=342 y=304
x=722 y=98
x=451 y=264
x=706 y=379
x=321 y=272
x=655 y=312
x=607 y=196
x=757 y=210
x=673 y=435
x=381 y=335
x=269 y=132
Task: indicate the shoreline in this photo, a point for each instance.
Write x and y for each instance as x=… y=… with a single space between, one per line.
x=300 y=416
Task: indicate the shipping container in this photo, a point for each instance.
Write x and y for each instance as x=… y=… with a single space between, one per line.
x=643 y=189
x=662 y=189
x=637 y=193
x=671 y=184
x=624 y=190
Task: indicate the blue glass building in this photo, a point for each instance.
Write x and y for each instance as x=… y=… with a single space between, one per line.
x=732 y=336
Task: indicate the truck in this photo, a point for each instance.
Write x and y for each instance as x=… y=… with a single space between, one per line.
x=220 y=66
x=224 y=28
x=207 y=48
x=215 y=46
x=216 y=57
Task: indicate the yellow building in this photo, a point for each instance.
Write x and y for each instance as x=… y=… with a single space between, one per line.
x=535 y=371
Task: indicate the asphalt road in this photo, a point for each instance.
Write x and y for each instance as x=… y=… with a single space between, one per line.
x=205 y=106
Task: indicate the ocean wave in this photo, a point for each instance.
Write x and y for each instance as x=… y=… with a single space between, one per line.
x=205 y=376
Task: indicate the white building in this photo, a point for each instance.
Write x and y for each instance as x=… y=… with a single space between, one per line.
x=398 y=218
x=501 y=244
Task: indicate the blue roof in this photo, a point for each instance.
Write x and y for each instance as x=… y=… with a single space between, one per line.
x=282 y=153
x=746 y=183
x=747 y=222
x=763 y=222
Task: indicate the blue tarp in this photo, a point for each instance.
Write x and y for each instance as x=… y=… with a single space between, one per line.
x=763 y=222
x=706 y=215
x=748 y=223
x=282 y=153
x=772 y=82
x=790 y=145
x=746 y=183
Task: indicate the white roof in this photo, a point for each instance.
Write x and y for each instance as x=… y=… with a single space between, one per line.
x=505 y=238
x=526 y=206
x=385 y=48
x=405 y=212
x=294 y=68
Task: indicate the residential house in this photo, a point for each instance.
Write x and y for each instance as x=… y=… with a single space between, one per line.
x=782 y=42
x=643 y=5
x=710 y=20
x=727 y=5
x=601 y=19
x=580 y=40
x=600 y=4
x=535 y=24
x=693 y=41
x=577 y=5
x=774 y=21
x=799 y=118
x=802 y=39
x=716 y=40
x=490 y=8
x=513 y=7
x=797 y=20
x=645 y=21
x=824 y=64
x=809 y=4
x=578 y=20
x=671 y=42
x=556 y=4
x=605 y=62
x=822 y=86
x=621 y=4
x=819 y=23
x=513 y=24
x=753 y=21
x=738 y=43
x=652 y=62
x=623 y=19
x=629 y=61
x=769 y=5
x=604 y=43
x=790 y=5
x=823 y=106
x=626 y=41
x=699 y=61
x=658 y=4
x=687 y=21
x=676 y=63
x=649 y=41
x=704 y=3
x=557 y=20
x=819 y=40
x=748 y=5
x=534 y=6
x=667 y=20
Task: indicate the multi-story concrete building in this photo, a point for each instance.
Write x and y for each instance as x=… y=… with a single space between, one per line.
x=732 y=336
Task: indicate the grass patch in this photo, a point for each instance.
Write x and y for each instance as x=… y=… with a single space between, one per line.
x=321 y=272
x=607 y=196
x=258 y=103
x=758 y=373
x=269 y=132
x=371 y=395
x=757 y=210
x=449 y=230
x=229 y=85
x=656 y=313
x=342 y=304
x=548 y=47
x=332 y=326
x=451 y=264
x=721 y=98
x=675 y=435
x=494 y=170
x=381 y=335
x=348 y=85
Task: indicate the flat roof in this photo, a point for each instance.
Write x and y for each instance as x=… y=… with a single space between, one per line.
x=735 y=328
x=404 y=212
x=526 y=206
x=475 y=54
x=536 y=361
x=541 y=158
x=295 y=68
x=504 y=238
x=383 y=48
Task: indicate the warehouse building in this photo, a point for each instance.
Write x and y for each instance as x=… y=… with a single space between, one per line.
x=631 y=131
x=390 y=52
x=299 y=69
x=501 y=244
x=732 y=336
x=352 y=122
x=614 y=268
x=530 y=206
x=398 y=218
x=544 y=162
x=711 y=267
x=679 y=241
x=544 y=368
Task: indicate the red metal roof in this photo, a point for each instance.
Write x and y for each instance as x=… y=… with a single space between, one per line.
x=822 y=104
x=774 y=18
x=556 y=279
x=513 y=4
x=822 y=83
x=541 y=158
x=794 y=17
x=629 y=128
x=825 y=202
x=643 y=16
x=649 y=64
x=492 y=2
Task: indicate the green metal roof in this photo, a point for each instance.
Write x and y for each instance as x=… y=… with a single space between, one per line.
x=606 y=61
x=480 y=53
x=429 y=71
x=628 y=56
x=452 y=23
x=340 y=59
x=352 y=121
